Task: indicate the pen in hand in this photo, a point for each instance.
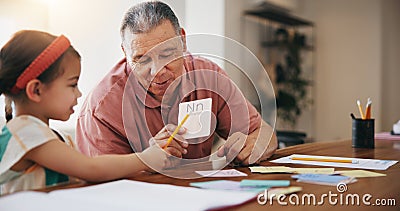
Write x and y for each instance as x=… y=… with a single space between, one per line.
x=176 y=131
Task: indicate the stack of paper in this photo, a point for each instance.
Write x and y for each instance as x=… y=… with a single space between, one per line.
x=323 y=179
x=330 y=171
x=356 y=162
x=125 y=195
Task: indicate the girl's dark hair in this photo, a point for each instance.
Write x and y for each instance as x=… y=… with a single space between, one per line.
x=18 y=53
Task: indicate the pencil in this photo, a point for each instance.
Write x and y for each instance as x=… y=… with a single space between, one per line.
x=325 y=160
x=360 y=109
x=176 y=131
x=368 y=109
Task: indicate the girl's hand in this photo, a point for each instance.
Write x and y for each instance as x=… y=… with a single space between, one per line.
x=154 y=157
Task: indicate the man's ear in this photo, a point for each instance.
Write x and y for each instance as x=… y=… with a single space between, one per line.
x=183 y=37
x=34 y=90
x=123 y=49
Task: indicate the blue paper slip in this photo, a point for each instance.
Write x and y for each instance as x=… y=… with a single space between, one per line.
x=225 y=185
x=264 y=183
x=323 y=179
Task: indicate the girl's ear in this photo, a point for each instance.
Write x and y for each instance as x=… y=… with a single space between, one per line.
x=34 y=89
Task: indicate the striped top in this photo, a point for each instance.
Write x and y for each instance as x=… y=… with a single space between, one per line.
x=18 y=137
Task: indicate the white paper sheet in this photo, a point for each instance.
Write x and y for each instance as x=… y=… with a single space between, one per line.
x=125 y=195
x=222 y=173
x=361 y=163
x=284 y=169
x=31 y=200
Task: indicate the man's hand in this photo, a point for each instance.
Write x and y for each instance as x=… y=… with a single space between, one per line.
x=178 y=145
x=249 y=149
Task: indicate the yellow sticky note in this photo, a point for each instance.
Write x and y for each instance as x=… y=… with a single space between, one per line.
x=313 y=170
x=360 y=173
x=270 y=169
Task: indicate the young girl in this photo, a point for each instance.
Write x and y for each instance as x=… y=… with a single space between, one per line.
x=39 y=73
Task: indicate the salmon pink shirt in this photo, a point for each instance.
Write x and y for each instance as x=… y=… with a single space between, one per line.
x=120 y=117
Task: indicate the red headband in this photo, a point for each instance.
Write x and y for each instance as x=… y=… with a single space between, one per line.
x=42 y=62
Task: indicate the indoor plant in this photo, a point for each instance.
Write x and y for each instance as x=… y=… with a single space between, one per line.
x=292 y=86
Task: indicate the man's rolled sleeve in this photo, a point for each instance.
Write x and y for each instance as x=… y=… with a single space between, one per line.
x=94 y=138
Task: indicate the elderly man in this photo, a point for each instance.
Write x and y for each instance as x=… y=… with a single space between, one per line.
x=137 y=101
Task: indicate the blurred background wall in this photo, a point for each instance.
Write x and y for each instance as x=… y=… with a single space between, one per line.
x=357 y=45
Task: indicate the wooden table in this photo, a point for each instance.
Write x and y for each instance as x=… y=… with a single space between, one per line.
x=385 y=189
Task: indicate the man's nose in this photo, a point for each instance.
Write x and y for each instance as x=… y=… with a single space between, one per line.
x=153 y=68
x=156 y=66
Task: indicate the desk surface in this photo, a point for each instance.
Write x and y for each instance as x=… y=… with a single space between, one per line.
x=385 y=189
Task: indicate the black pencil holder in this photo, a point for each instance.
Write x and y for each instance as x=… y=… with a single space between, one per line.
x=363 y=133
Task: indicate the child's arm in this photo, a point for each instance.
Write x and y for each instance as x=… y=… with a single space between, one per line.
x=59 y=157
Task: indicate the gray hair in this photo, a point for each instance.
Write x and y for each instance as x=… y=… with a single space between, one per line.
x=145 y=16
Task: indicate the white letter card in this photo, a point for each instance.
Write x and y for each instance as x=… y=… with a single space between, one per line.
x=199 y=122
